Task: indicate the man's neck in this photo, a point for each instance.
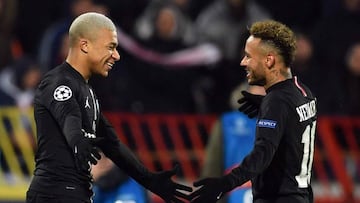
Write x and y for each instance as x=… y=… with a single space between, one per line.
x=278 y=76
x=76 y=62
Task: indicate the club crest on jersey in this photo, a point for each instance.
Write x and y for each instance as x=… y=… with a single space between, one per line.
x=62 y=93
x=263 y=123
x=87 y=104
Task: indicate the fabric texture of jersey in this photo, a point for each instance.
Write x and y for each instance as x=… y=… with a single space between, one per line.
x=280 y=163
x=66 y=109
x=61 y=94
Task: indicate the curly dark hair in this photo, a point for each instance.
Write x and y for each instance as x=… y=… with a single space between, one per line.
x=278 y=36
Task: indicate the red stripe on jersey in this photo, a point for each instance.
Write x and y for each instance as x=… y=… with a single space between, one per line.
x=300 y=88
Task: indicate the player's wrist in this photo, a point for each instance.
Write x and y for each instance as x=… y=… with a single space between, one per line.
x=227 y=183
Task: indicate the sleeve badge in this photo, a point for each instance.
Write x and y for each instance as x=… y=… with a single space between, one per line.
x=62 y=93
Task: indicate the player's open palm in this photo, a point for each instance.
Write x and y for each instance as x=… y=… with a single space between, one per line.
x=170 y=191
x=210 y=191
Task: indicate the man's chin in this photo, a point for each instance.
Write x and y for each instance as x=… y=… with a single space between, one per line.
x=251 y=82
x=255 y=82
x=105 y=74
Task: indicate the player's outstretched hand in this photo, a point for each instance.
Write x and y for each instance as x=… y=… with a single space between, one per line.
x=250 y=103
x=161 y=184
x=210 y=191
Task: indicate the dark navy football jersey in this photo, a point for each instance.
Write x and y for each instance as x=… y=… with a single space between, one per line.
x=281 y=161
x=62 y=94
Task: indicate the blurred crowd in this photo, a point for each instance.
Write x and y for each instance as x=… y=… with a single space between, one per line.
x=182 y=56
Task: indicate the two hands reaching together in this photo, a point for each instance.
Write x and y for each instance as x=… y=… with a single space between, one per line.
x=210 y=190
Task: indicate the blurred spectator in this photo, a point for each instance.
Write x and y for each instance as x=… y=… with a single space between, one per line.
x=334 y=34
x=332 y=7
x=165 y=18
x=305 y=66
x=34 y=16
x=54 y=42
x=333 y=37
x=158 y=72
x=353 y=79
x=17 y=86
x=189 y=7
x=19 y=80
x=299 y=14
x=344 y=98
x=8 y=14
x=225 y=24
x=125 y=12
x=193 y=8
x=170 y=30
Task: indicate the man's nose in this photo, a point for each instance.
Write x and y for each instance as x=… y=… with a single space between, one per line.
x=116 y=55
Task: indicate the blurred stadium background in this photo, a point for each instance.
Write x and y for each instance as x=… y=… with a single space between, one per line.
x=179 y=72
x=160 y=140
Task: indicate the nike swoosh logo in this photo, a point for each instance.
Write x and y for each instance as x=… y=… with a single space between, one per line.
x=70 y=188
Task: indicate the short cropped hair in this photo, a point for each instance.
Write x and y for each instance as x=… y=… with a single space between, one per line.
x=278 y=36
x=86 y=26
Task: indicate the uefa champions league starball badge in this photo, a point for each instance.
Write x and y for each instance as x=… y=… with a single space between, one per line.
x=62 y=93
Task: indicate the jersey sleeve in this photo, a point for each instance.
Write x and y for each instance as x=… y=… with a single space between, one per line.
x=119 y=153
x=59 y=97
x=269 y=130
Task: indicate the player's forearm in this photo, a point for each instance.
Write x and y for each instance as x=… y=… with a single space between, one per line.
x=72 y=129
x=253 y=164
x=120 y=154
x=126 y=160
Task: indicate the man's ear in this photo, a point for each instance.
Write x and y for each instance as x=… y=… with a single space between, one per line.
x=270 y=61
x=84 y=45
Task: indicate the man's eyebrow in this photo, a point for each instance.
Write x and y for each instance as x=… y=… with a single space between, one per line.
x=113 y=44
